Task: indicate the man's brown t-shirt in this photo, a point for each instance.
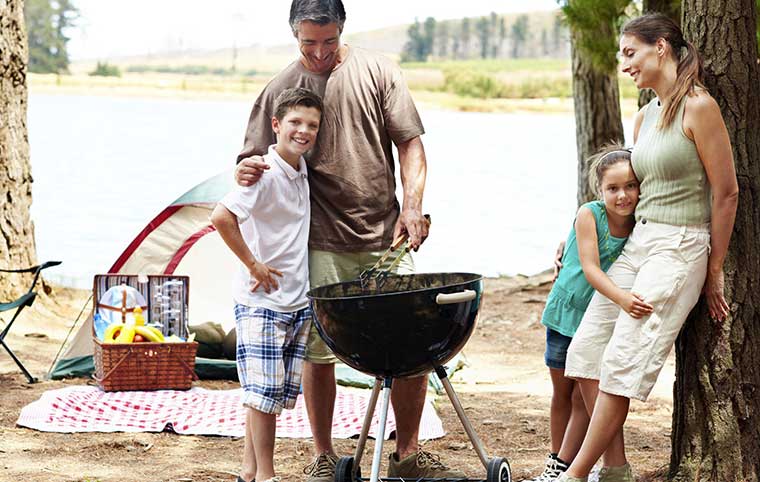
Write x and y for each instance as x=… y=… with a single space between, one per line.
x=351 y=169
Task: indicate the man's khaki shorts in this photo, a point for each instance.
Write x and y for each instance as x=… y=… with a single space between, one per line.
x=665 y=264
x=327 y=268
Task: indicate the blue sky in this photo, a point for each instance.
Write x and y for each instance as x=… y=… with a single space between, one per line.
x=107 y=29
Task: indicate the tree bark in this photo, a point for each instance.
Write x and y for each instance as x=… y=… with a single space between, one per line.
x=16 y=229
x=716 y=419
x=597 y=115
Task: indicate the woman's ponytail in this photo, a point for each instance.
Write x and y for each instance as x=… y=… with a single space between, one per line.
x=688 y=76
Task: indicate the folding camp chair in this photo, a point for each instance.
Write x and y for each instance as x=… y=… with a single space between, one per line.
x=19 y=304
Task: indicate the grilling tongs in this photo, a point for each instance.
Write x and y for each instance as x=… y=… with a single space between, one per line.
x=400 y=245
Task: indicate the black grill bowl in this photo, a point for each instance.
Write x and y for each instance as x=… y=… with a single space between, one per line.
x=402 y=329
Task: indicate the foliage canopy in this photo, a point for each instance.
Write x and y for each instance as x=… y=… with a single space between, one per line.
x=46 y=23
x=596 y=24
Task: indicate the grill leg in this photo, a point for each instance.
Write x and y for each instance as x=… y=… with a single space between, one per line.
x=367 y=422
x=377 y=458
x=476 y=443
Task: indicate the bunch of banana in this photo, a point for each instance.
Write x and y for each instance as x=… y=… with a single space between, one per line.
x=121 y=333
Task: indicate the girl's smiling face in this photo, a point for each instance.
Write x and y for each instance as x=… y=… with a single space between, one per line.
x=620 y=189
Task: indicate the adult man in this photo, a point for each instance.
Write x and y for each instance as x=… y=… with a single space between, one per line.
x=355 y=214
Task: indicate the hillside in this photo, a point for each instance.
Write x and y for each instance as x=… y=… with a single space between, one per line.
x=257 y=60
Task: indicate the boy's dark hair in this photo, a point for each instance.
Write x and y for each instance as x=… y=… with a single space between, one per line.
x=321 y=12
x=606 y=157
x=290 y=98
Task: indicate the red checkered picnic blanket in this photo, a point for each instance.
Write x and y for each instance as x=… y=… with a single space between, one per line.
x=195 y=412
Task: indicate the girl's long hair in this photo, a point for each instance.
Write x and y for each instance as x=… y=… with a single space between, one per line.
x=653 y=26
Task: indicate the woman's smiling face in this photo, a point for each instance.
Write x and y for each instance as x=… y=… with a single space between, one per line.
x=640 y=60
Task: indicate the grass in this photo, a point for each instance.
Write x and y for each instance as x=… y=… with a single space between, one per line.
x=540 y=85
x=500 y=79
x=494 y=65
x=148 y=84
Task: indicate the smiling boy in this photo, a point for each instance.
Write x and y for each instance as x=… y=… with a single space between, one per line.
x=271 y=309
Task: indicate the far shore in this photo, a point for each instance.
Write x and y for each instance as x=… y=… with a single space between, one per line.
x=188 y=87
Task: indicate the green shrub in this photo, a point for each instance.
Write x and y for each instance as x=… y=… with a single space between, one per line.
x=472 y=84
x=104 y=69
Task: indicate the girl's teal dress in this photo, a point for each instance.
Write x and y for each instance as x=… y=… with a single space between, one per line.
x=571 y=293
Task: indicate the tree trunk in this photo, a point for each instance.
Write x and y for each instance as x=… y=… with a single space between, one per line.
x=716 y=419
x=597 y=115
x=670 y=8
x=16 y=228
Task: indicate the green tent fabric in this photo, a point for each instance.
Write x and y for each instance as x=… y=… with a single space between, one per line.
x=212 y=369
x=205 y=368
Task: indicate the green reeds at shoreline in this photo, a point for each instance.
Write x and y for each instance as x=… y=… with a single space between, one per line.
x=534 y=85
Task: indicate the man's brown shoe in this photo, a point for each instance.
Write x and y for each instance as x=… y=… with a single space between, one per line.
x=419 y=465
x=322 y=469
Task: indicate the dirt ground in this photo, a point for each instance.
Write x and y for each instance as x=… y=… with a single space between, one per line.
x=505 y=390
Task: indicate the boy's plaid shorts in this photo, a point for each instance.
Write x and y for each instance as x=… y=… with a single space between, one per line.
x=270 y=350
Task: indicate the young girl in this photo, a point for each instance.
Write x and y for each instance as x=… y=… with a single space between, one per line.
x=676 y=250
x=601 y=229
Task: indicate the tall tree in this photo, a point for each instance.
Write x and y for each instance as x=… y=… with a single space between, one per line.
x=47 y=22
x=757 y=24
x=716 y=419
x=455 y=45
x=503 y=34
x=483 y=27
x=16 y=228
x=495 y=43
x=594 y=27
x=671 y=8
x=442 y=39
x=520 y=33
x=465 y=38
x=557 y=29
x=428 y=38
x=414 y=48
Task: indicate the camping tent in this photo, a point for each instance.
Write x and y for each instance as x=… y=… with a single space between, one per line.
x=179 y=240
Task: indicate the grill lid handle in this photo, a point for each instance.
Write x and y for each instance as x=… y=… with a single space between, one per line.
x=451 y=298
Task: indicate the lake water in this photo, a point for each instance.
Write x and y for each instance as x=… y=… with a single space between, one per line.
x=500 y=189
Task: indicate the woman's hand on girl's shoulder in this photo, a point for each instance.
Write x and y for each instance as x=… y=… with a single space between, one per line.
x=558 y=259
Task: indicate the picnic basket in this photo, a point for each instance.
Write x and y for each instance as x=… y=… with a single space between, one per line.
x=147 y=366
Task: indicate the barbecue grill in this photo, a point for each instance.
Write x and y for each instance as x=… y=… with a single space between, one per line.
x=394 y=326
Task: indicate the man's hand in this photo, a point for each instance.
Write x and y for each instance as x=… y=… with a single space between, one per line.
x=261 y=276
x=713 y=291
x=634 y=304
x=249 y=170
x=558 y=259
x=412 y=222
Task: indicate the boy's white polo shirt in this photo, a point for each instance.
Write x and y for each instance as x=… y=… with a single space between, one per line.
x=274 y=215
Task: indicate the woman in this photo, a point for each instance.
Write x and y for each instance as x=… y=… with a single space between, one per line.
x=684 y=219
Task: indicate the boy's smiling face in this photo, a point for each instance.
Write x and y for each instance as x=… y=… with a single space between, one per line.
x=296 y=131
